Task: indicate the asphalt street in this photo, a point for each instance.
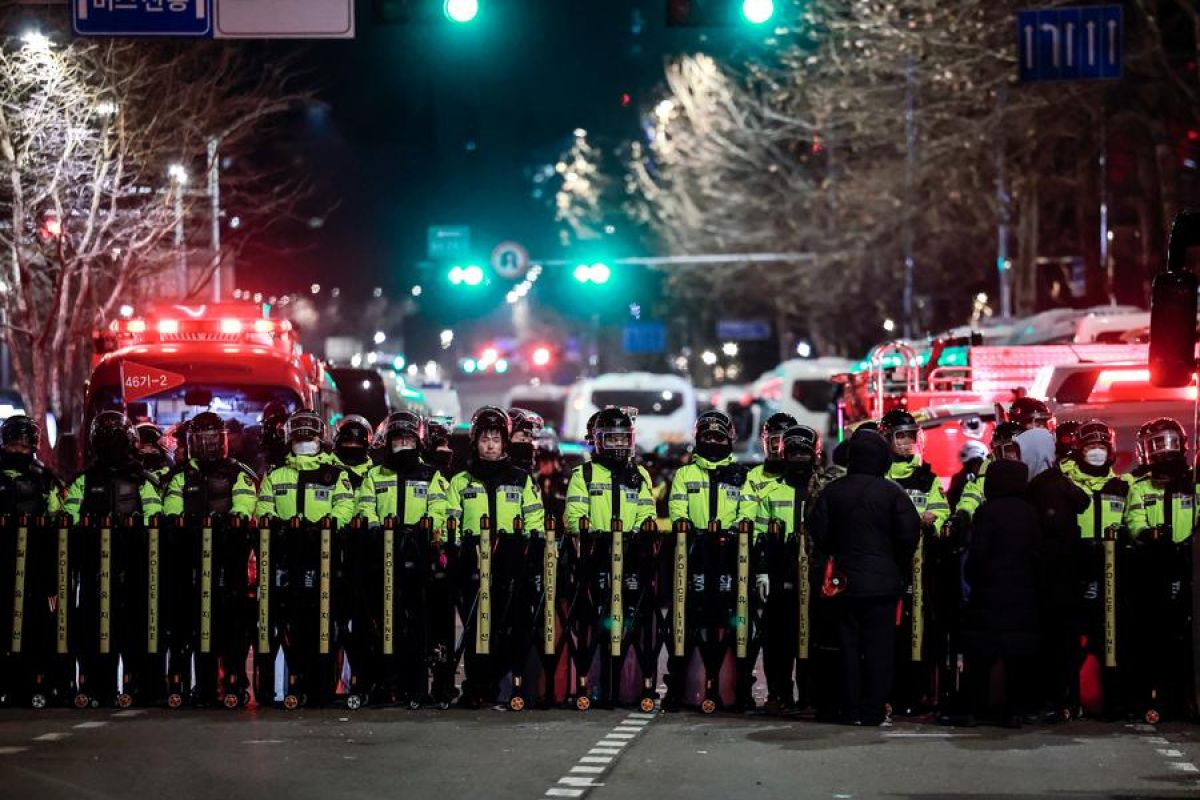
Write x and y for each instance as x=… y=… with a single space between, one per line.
x=385 y=753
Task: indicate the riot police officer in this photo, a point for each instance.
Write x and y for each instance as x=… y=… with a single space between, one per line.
x=209 y=482
x=1102 y=519
x=352 y=446
x=311 y=484
x=435 y=445
x=609 y=489
x=526 y=426
x=273 y=447
x=209 y=485
x=116 y=484
x=784 y=502
x=1160 y=516
x=150 y=451
x=405 y=490
x=711 y=488
x=773 y=464
x=493 y=486
x=27 y=486
x=914 y=685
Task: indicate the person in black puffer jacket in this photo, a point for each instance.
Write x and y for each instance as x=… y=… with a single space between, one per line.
x=870 y=528
x=1001 y=622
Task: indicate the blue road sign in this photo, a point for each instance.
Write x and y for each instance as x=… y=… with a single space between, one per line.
x=743 y=330
x=183 y=18
x=644 y=337
x=1061 y=44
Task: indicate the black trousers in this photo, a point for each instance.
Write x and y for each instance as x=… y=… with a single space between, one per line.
x=867 y=633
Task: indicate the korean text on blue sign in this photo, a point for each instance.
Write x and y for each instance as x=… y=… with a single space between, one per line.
x=644 y=337
x=1070 y=43
x=744 y=330
x=142 y=17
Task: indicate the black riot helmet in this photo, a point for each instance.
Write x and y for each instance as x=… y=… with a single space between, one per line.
x=1161 y=440
x=1029 y=412
x=490 y=418
x=352 y=439
x=800 y=443
x=402 y=423
x=207 y=438
x=111 y=436
x=20 y=431
x=1004 y=441
x=613 y=436
x=902 y=432
x=304 y=425
x=773 y=429
x=438 y=431
x=1094 y=435
x=714 y=425
x=1066 y=439
x=528 y=423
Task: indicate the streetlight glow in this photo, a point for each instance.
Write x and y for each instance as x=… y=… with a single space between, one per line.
x=708 y=357
x=730 y=349
x=757 y=12
x=36 y=41
x=380 y=337
x=461 y=10
x=178 y=173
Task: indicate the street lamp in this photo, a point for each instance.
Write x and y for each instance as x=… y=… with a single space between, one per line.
x=380 y=337
x=708 y=357
x=730 y=349
x=36 y=41
x=178 y=174
x=461 y=11
x=757 y=12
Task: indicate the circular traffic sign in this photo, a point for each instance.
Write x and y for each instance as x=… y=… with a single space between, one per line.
x=510 y=260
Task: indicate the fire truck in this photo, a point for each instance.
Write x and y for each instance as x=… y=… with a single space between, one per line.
x=957 y=388
x=231 y=358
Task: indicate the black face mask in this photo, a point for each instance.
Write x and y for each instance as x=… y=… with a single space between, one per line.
x=441 y=460
x=152 y=461
x=714 y=451
x=16 y=460
x=352 y=455
x=403 y=460
x=797 y=473
x=521 y=453
x=1171 y=467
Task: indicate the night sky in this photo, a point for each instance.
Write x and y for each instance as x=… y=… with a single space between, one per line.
x=435 y=123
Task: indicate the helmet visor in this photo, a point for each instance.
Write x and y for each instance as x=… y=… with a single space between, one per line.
x=614 y=441
x=208 y=445
x=1163 y=444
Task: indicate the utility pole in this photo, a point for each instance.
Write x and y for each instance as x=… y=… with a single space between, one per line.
x=214 y=197
x=1004 y=201
x=910 y=143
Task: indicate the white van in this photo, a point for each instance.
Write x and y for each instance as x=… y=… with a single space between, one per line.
x=801 y=387
x=546 y=399
x=666 y=405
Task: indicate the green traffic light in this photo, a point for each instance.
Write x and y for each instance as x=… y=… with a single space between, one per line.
x=583 y=273
x=757 y=12
x=461 y=11
x=598 y=273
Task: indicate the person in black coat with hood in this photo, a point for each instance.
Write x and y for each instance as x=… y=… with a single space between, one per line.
x=1058 y=502
x=1001 y=621
x=870 y=528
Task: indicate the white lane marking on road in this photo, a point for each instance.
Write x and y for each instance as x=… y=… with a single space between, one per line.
x=130 y=714
x=1155 y=739
x=1183 y=766
x=86 y=725
x=51 y=737
x=600 y=758
x=1170 y=753
x=263 y=741
x=8 y=751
